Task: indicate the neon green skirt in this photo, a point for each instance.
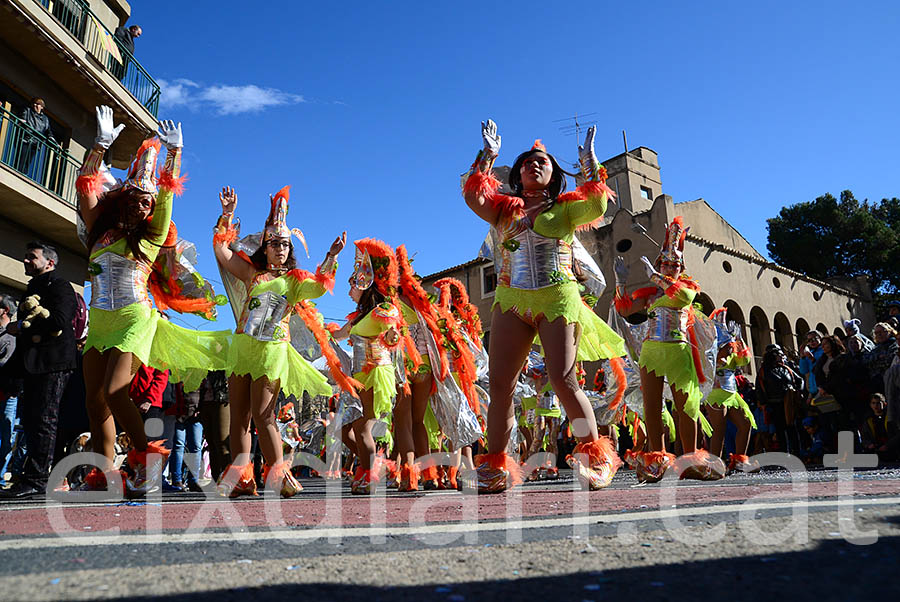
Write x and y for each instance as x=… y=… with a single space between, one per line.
x=383 y=384
x=139 y=329
x=723 y=399
x=674 y=362
x=597 y=340
x=277 y=361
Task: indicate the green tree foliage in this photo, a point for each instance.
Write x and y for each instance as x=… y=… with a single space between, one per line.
x=840 y=238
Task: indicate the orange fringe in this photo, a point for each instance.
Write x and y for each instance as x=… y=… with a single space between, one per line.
x=618 y=370
x=504 y=461
x=167 y=181
x=599 y=451
x=90 y=184
x=467 y=312
x=139 y=458
x=309 y=315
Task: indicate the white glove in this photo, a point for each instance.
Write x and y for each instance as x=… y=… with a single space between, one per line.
x=170 y=135
x=648 y=266
x=106 y=133
x=490 y=137
x=586 y=156
x=620 y=269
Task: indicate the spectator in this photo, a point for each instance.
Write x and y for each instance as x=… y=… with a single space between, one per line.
x=809 y=355
x=9 y=386
x=842 y=377
x=878 y=435
x=776 y=388
x=857 y=343
x=813 y=454
x=125 y=36
x=45 y=354
x=892 y=389
x=37 y=131
x=146 y=391
x=882 y=356
x=216 y=420
x=188 y=437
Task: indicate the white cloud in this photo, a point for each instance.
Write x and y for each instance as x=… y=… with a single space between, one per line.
x=223 y=99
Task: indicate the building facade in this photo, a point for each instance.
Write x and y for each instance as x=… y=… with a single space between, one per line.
x=64 y=52
x=772 y=303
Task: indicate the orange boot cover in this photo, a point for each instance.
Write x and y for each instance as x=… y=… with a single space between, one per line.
x=283 y=481
x=451 y=477
x=602 y=462
x=501 y=461
x=237 y=481
x=409 y=478
x=138 y=459
x=700 y=465
x=430 y=477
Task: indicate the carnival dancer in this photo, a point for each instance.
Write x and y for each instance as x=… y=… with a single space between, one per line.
x=378 y=333
x=263 y=281
x=670 y=352
x=537 y=294
x=724 y=403
x=126 y=227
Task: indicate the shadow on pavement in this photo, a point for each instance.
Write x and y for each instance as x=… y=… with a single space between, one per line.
x=833 y=570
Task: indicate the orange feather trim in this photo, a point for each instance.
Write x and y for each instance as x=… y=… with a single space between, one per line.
x=623 y=305
x=454 y=294
x=225 y=238
x=481 y=184
x=168 y=181
x=421 y=302
x=618 y=370
x=682 y=282
x=502 y=460
x=644 y=292
x=309 y=315
x=599 y=451
x=387 y=278
x=139 y=458
x=89 y=184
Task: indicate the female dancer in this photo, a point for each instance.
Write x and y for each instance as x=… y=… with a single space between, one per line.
x=376 y=330
x=537 y=294
x=261 y=360
x=669 y=351
x=126 y=229
x=724 y=402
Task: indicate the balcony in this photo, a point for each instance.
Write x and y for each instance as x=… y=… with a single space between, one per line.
x=77 y=17
x=64 y=41
x=37 y=182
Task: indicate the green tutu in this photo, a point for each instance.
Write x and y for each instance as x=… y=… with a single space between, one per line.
x=139 y=329
x=598 y=341
x=722 y=398
x=277 y=361
x=674 y=362
x=432 y=428
x=384 y=388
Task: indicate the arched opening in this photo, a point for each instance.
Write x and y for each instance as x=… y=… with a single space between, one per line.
x=839 y=333
x=705 y=303
x=760 y=332
x=801 y=329
x=783 y=334
x=823 y=330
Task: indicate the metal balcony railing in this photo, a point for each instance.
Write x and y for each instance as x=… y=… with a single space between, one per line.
x=80 y=20
x=41 y=161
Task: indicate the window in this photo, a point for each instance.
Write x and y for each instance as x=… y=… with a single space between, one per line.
x=646 y=193
x=623 y=245
x=488 y=280
x=726 y=266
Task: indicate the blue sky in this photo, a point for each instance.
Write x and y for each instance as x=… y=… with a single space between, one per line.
x=370 y=111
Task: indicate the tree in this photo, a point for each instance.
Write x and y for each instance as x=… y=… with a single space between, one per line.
x=831 y=238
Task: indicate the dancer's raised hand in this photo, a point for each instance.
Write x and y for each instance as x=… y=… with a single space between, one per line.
x=170 y=134
x=107 y=132
x=648 y=267
x=621 y=270
x=490 y=137
x=338 y=245
x=228 y=198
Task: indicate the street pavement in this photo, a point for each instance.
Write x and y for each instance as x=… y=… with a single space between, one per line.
x=810 y=535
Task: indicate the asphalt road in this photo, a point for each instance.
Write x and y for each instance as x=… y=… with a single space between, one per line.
x=817 y=537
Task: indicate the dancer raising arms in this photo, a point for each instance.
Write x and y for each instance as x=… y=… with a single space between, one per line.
x=537 y=294
x=126 y=229
x=670 y=352
x=261 y=361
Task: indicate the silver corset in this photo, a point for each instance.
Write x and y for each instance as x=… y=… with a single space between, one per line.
x=358 y=344
x=530 y=261
x=118 y=282
x=418 y=332
x=667 y=325
x=726 y=380
x=262 y=317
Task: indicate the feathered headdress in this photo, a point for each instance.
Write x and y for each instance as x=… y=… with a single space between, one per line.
x=375 y=264
x=276 y=223
x=672 y=250
x=453 y=295
x=142 y=173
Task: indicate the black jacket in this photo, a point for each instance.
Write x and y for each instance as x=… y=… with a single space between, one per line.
x=123 y=35
x=49 y=353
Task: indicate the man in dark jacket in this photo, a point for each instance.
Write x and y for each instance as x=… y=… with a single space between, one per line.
x=38 y=131
x=45 y=353
x=125 y=36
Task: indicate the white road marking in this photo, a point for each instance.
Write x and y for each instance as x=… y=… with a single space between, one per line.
x=296 y=535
